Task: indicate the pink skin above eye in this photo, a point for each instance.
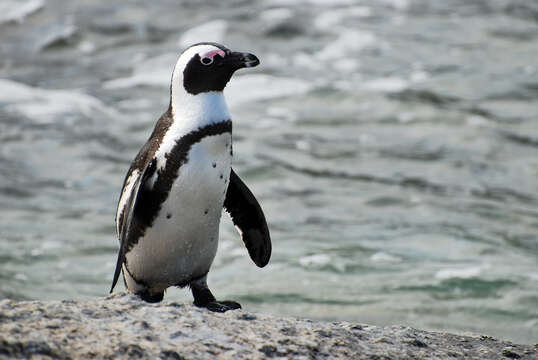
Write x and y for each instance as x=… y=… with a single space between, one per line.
x=212 y=54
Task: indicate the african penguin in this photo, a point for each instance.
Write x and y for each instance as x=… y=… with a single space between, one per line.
x=172 y=198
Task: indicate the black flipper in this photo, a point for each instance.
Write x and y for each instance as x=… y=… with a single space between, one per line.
x=125 y=226
x=247 y=216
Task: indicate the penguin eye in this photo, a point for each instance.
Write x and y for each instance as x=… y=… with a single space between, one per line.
x=206 y=60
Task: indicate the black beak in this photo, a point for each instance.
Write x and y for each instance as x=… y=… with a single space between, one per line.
x=241 y=60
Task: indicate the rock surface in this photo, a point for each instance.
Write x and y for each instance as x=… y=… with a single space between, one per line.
x=121 y=326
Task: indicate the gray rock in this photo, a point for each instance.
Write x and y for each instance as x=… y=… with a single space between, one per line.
x=122 y=326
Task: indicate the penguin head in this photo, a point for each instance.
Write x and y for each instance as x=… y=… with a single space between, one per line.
x=207 y=67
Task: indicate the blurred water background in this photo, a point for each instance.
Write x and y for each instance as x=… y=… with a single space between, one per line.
x=393 y=145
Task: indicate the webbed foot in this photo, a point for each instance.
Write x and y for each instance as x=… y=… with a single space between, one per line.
x=221 y=306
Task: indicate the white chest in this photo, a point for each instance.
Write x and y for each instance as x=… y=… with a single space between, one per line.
x=204 y=177
x=182 y=241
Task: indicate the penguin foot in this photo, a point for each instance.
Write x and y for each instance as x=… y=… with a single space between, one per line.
x=221 y=306
x=203 y=297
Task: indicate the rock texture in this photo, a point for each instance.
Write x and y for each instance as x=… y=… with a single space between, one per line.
x=121 y=326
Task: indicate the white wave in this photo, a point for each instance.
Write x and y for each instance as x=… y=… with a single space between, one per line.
x=462 y=273
x=347 y=65
x=303 y=145
x=395 y=84
x=21 y=277
x=315 y=260
x=17 y=11
x=276 y=15
x=397 y=4
x=419 y=76
x=156 y=71
x=239 y=252
x=334 y=17
x=272 y=19
x=281 y=113
x=533 y=276
x=389 y=84
x=133 y=104
x=55 y=33
x=157 y=77
x=347 y=43
x=384 y=257
x=274 y=62
x=213 y=31
x=256 y=87
x=45 y=105
x=304 y=60
x=87 y=47
x=476 y=121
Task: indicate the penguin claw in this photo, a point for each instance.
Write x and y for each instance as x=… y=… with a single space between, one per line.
x=221 y=306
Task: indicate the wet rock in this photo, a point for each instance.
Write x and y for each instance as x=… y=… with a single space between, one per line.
x=123 y=327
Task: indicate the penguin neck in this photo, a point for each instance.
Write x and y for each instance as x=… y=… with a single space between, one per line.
x=191 y=112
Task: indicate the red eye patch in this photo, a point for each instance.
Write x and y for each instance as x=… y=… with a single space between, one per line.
x=211 y=54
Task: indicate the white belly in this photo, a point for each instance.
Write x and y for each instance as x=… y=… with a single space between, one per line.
x=182 y=242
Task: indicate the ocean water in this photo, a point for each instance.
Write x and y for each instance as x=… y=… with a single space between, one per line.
x=393 y=145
